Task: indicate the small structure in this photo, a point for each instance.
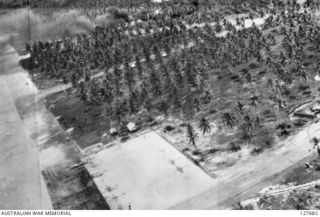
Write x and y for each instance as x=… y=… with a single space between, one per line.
x=132 y=127
x=304 y=115
x=113 y=131
x=70 y=130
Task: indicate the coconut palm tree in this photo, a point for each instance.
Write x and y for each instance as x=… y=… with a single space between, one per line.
x=283 y=59
x=164 y=107
x=74 y=79
x=254 y=100
x=240 y=107
x=204 y=125
x=155 y=83
x=192 y=136
x=301 y=71
x=228 y=119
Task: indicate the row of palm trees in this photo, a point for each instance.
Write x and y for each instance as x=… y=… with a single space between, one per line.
x=169 y=66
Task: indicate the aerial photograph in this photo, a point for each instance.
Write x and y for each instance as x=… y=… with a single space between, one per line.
x=160 y=105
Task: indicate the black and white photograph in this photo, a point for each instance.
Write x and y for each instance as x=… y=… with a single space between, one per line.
x=159 y=105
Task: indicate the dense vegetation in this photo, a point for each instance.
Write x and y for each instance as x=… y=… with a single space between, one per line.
x=295 y=200
x=184 y=59
x=11 y=4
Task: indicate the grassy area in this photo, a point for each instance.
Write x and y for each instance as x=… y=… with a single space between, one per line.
x=294 y=200
x=305 y=173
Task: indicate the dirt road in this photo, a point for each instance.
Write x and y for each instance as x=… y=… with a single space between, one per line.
x=246 y=178
x=21 y=185
x=40 y=166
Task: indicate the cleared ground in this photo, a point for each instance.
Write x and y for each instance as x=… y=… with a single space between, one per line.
x=40 y=167
x=248 y=177
x=145 y=173
x=21 y=184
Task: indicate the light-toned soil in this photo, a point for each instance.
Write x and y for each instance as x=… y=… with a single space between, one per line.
x=21 y=184
x=145 y=173
x=250 y=176
x=40 y=166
